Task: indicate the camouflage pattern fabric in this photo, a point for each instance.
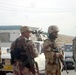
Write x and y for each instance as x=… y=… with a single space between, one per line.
x=51 y=66
x=17 y=66
x=74 y=51
x=19 y=70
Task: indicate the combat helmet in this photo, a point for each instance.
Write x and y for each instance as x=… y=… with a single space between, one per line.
x=53 y=28
x=25 y=28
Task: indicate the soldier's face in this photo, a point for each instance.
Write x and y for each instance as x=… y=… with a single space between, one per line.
x=27 y=34
x=55 y=34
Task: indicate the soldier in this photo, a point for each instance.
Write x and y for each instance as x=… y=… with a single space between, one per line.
x=19 y=50
x=74 y=51
x=52 y=53
x=1 y=66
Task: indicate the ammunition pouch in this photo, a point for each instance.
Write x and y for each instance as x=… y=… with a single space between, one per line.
x=19 y=54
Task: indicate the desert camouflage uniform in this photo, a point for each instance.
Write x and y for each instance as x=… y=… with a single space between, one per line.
x=0 y=54
x=17 y=66
x=51 y=67
x=74 y=51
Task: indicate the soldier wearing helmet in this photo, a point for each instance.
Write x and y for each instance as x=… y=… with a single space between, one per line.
x=50 y=46
x=22 y=51
x=52 y=31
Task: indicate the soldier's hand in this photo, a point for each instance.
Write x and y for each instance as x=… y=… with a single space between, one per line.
x=59 y=55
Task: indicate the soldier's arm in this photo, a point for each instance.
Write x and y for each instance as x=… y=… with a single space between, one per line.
x=32 y=48
x=48 y=50
x=60 y=54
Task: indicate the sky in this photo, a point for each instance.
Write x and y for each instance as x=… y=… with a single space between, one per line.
x=40 y=13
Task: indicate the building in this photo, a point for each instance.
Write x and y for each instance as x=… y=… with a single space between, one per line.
x=9 y=33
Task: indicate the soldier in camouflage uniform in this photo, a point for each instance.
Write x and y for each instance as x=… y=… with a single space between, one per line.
x=24 y=44
x=52 y=53
x=1 y=66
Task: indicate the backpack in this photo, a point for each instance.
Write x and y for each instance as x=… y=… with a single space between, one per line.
x=12 y=53
x=16 y=53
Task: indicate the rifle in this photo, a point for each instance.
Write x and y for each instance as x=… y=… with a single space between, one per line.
x=63 y=62
x=29 y=60
x=65 y=67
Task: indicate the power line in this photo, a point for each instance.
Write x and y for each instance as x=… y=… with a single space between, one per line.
x=35 y=10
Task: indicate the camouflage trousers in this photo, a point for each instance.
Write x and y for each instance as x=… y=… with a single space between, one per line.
x=52 y=70
x=18 y=70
